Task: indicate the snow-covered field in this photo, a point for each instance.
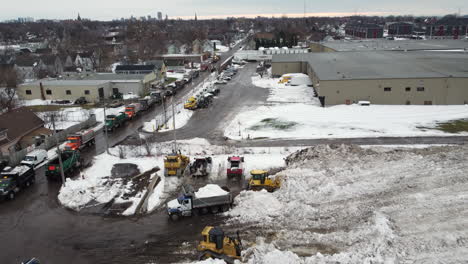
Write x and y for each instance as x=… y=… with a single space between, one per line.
x=96 y=186
x=345 y=204
x=292 y=112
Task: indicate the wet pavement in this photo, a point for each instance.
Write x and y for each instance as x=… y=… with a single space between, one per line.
x=36 y=225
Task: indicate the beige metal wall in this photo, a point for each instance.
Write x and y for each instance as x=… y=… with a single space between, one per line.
x=59 y=92
x=280 y=68
x=436 y=90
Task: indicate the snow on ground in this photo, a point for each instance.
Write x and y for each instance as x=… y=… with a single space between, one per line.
x=292 y=112
x=97 y=186
x=346 y=204
x=94 y=183
x=38 y=102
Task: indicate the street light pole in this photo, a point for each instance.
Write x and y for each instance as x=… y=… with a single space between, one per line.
x=105 y=128
x=58 y=151
x=173 y=124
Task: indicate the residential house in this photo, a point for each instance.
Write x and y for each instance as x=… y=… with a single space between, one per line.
x=364 y=30
x=18 y=129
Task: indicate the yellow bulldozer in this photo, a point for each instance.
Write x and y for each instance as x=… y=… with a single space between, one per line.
x=175 y=164
x=191 y=103
x=261 y=180
x=216 y=244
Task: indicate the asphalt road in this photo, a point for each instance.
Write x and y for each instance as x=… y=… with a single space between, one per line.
x=35 y=225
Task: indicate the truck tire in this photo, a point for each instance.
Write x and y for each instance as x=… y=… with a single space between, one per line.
x=204 y=211
x=225 y=208
x=175 y=217
x=11 y=196
x=214 y=209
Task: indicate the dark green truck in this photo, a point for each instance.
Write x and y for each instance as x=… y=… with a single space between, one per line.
x=71 y=160
x=115 y=121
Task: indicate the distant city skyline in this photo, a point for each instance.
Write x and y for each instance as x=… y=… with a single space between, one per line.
x=205 y=9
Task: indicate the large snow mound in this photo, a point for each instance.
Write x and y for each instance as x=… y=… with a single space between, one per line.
x=346 y=204
x=210 y=190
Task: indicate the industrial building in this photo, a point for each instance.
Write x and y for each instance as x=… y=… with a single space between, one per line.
x=365 y=31
x=93 y=86
x=382 y=77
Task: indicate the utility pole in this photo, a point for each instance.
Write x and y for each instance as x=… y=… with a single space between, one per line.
x=173 y=124
x=164 y=110
x=105 y=128
x=58 y=150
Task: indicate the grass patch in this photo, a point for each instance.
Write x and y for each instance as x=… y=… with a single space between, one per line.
x=170 y=80
x=274 y=123
x=453 y=127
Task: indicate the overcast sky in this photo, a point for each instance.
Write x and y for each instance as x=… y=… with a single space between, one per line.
x=112 y=9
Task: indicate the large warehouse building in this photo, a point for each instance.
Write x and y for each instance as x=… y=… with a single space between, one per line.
x=382 y=77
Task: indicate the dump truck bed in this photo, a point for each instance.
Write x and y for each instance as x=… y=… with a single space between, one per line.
x=212 y=201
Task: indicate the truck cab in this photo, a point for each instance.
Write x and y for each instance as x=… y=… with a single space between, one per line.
x=130 y=111
x=236 y=168
x=180 y=206
x=74 y=142
x=12 y=180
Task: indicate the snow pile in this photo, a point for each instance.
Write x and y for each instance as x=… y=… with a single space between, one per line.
x=161 y=191
x=207 y=261
x=182 y=116
x=210 y=190
x=96 y=185
x=346 y=204
x=130 y=96
x=285 y=93
x=256 y=206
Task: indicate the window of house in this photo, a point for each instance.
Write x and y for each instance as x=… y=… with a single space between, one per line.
x=86 y=92
x=420 y=89
x=408 y=89
x=387 y=89
x=427 y=102
x=28 y=92
x=48 y=92
x=68 y=92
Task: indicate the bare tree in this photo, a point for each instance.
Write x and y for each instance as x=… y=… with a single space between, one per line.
x=8 y=99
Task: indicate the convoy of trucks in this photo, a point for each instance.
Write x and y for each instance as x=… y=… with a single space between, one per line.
x=191 y=202
x=13 y=180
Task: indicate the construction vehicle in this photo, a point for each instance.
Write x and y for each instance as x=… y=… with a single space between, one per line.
x=261 y=180
x=115 y=121
x=236 y=167
x=81 y=139
x=175 y=164
x=132 y=110
x=216 y=244
x=191 y=103
x=210 y=198
x=201 y=167
x=71 y=161
x=12 y=180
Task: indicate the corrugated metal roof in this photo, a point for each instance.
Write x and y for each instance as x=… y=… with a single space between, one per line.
x=382 y=64
x=384 y=44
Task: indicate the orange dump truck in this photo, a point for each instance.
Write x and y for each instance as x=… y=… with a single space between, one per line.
x=80 y=139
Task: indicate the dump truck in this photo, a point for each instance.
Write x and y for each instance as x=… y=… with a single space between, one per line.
x=81 y=139
x=13 y=180
x=216 y=244
x=175 y=164
x=71 y=161
x=132 y=110
x=236 y=167
x=210 y=198
x=201 y=167
x=115 y=121
x=191 y=103
x=261 y=180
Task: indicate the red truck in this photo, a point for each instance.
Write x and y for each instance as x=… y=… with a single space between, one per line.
x=236 y=167
x=81 y=139
x=132 y=110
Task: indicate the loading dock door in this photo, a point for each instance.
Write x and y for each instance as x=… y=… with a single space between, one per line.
x=101 y=93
